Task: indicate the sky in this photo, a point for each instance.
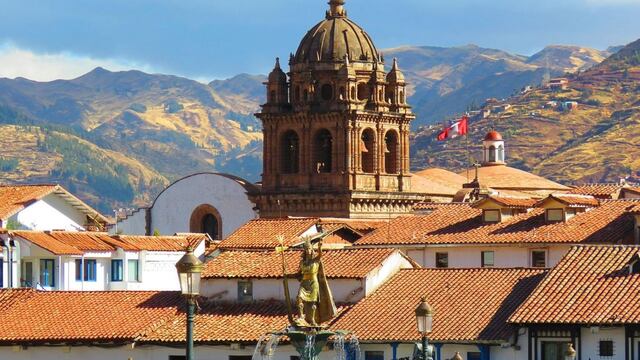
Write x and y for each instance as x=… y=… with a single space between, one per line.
x=215 y=39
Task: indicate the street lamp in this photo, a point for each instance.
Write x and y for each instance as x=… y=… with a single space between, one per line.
x=424 y=318
x=189 y=269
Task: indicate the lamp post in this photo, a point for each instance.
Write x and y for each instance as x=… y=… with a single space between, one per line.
x=189 y=269
x=424 y=318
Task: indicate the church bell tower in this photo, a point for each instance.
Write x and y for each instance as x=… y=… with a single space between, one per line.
x=336 y=129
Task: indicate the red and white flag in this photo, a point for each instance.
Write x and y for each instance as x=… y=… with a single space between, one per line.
x=458 y=128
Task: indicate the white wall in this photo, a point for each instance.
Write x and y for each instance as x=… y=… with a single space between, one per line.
x=469 y=256
x=389 y=267
x=51 y=213
x=134 y=224
x=267 y=289
x=591 y=340
x=172 y=209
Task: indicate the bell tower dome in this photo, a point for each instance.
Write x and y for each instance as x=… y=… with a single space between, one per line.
x=336 y=128
x=493 y=149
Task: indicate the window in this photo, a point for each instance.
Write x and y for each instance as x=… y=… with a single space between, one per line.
x=28 y=274
x=245 y=291
x=290 y=152
x=554 y=350
x=605 y=348
x=442 y=260
x=209 y=225
x=89 y=270
x=472 y=355
x=322 y=148
x=240 y=357
x=367 y=147
x=539 y=258
x=116 y=270
x=363 y=91
x=177 y=357
x=133 y=270
x=326 y=91
x=47 y=275
x=391 y=153
x=491 y=215
x=555 y=214
x=492 y=153
x=374 y=355
x=487 y=258
x=293 y=357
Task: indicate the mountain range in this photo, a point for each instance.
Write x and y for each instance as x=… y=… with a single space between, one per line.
x=117 y=138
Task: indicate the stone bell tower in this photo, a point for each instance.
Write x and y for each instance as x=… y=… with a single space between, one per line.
x=336 y=129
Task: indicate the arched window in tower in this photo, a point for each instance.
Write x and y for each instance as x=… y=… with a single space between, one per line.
x=353 y=93
x=367 y=150
x=401 y=97
x=390 y=97
x=272 y=96
x=297 y=93
x=205 y=219
x=492 y=153
x=380 y=95
x=326 y=92
x=501 y=153
x=391 y=152
x=343 y=93
x=363 y=91
x=322 y=151
x=290 y=153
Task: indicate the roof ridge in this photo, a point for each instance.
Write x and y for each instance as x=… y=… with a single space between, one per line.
x=478 y=269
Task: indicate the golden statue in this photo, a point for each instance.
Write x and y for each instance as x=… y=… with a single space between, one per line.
x=314 y=301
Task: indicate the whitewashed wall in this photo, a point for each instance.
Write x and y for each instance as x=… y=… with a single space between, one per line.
x=469 y=256
x=50 y=213
x=222 y=352
x=172 y=209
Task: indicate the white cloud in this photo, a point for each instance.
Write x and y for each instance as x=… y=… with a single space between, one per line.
x=18 y=62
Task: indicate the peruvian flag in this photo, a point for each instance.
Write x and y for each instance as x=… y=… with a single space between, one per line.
x=458 y=128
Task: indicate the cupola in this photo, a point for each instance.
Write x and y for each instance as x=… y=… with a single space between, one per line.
x=277 y=90
x=493 y=149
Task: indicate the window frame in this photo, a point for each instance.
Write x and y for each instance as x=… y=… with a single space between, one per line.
x=242 y=297
x=446 y=257
x=137 y=273
x=84 y=273
x=488 y=211
x=114 y=265
x=548 y=218
x=482 y=258
x=609 y=348
x=374 y=355
x=53 y=272
x=544 y=258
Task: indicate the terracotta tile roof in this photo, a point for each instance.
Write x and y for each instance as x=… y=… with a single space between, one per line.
x=635 y=190
x=10 y=297
x=504 y=177
x=470 y=305
x=600 y=191
x=51 y=316
x=262 y=233
x=225 y=322
x=590 y=285
x=510 y=202
x=611 y=222
x=437 y=181
x=14 y=198
x=347 y=263
x=78 y=243
x=161 y=243
x=573 y=200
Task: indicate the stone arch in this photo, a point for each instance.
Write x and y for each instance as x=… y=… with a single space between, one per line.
x=290 y=153
x=392 y=145
x=323 y=151
x=206 y=219
x=367 y=150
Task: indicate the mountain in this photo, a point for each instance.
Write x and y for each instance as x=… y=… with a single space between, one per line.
x=163 y=126
x=445 y=81
x=117 y=138
x=597 y=142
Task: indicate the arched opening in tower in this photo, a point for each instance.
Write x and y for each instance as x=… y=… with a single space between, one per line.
x=492 y=153
x=367 y=150
x=290 y=153
x=501 y=153
x=322 y=151
x=391 y=152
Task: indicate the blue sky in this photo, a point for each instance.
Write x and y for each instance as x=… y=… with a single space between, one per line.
x=207 y=39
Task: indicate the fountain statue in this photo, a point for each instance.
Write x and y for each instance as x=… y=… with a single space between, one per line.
x=307 y=328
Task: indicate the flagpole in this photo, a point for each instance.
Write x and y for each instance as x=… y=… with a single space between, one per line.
x=466 y=137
